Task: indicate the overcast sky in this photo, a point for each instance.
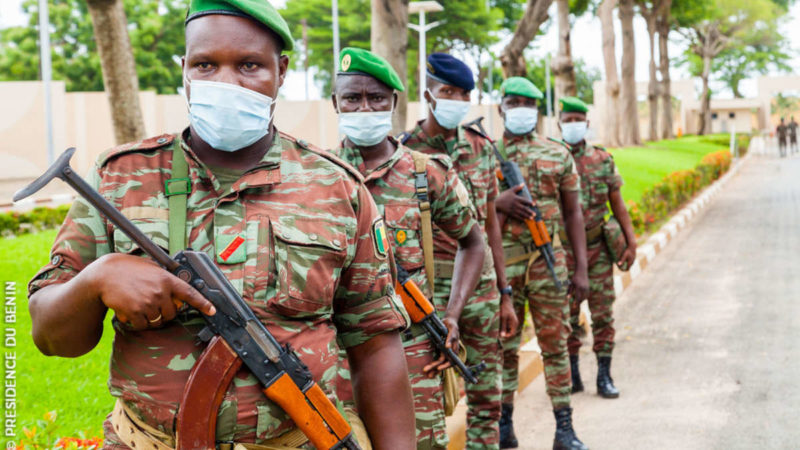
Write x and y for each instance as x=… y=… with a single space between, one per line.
x=586 y=45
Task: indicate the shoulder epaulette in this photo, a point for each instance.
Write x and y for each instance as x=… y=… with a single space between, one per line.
x=442 y=159
x=327 y=155
x=139 y=146
x=558 y=141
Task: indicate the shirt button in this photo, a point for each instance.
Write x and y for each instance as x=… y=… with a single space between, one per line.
x=337 y=242
x=56 y=260
x=161 y=140
x=312 y=236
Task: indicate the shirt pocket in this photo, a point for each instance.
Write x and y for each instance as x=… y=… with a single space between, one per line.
x=405 y=225
x=259 y=269
x=157 y=230
x=309 y=255
x=478 y=189
x=547 y=178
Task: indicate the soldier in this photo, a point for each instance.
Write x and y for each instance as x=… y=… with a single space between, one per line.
x=488 y=315
x=554 y=184
x=294 y=230
x=600 y=184
x=782 y=131
x=364 y=97
x=793 y=135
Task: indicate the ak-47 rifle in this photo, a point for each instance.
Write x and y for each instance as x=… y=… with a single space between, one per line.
x=423 y=313
x=511 y=175
x=236 y=337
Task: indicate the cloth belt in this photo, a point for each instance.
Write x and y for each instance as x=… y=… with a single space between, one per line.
x=593 y=235
x=138 y=435
x=445 y=269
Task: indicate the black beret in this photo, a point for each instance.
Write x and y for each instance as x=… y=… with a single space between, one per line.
x=447 y=69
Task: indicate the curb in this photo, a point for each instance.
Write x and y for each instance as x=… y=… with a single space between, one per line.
x=530 y=361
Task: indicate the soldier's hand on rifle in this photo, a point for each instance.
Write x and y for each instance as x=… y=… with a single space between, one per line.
x=435 y=368
x=512 y=205
x=142 y=294
x=579 y=285
x=508 y=317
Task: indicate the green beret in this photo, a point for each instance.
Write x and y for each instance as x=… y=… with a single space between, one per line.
x=520 y=86
x=261 y=11
x=363 y=62
x=573 y=104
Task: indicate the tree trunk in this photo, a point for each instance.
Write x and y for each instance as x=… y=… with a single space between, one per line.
x=629 y=119
x=606 y=13
x=119 y=68
x=705 y=98
x=389 y=39
x=663 y=24
x=563 y=67
x=512 y=58
x=652 y=85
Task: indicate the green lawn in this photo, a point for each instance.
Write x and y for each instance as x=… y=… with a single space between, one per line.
x=76 y=387
x=642 y=167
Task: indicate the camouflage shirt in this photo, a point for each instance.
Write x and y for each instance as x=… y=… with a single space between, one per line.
x=474 y=162
x=393 y=188
x=295 y=235
x=599 y=176
x=548 y=169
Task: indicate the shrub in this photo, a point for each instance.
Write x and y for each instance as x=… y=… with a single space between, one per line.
x=39 y=218
x=659 y=201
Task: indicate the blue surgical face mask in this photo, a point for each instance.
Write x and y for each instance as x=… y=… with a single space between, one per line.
x=226 y=116
x=573 y=132
x=365 y=129
x=521 y=120
x=449 y=113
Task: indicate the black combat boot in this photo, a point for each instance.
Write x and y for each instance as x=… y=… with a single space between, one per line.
x=507 y=437
x=565 y=435
x=577 y=384
x=605 y=385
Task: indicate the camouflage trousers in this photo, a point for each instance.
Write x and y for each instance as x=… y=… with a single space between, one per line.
x=428 y=394
x=601 y=301
x=480 y=333
x=550 y=313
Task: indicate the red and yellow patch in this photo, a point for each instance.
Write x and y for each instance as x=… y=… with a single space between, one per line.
x=401 y=237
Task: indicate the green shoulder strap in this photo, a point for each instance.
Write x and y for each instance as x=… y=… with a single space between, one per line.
x=177 y=190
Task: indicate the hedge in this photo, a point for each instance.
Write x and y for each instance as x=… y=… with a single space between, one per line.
x=39 y=218
x=659 y=201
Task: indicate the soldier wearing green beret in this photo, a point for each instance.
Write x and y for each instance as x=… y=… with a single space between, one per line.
x=600 y=186
x=293 y=228
x=550 y=173
x=364 y=96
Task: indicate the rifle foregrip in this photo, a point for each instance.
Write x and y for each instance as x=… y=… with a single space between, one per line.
x=415 y=302
x=312 y=412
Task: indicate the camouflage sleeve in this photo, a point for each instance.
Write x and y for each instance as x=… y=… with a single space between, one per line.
x=82 y=238
x=449 y=201
x=365 y=304
x=614 y=178
x=491 y=163
x=570 y=180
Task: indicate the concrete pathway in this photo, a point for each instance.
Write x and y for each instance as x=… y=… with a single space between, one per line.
x=708 y=352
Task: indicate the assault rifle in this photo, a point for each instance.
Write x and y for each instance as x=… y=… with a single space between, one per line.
x=510 y=174
x=236 y=337
x=423 y=313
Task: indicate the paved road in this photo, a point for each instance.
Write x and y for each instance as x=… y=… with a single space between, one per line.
x=708 y=352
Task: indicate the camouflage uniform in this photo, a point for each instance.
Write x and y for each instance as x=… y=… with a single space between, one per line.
x=599 y=177
x=479 y=324
x=309 y=266
x=548 y=170
x=393 y=188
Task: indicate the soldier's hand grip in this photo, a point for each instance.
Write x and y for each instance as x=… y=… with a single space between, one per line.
x=312 y=421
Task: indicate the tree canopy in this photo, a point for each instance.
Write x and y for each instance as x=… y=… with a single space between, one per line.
x=155 y=28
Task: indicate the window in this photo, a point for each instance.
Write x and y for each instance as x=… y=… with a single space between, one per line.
x=731 y=115
x=713 y=115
